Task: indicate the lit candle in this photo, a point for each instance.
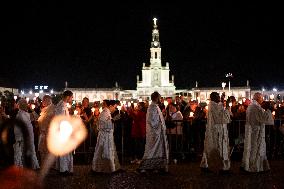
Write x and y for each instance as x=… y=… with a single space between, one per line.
x=93 y=109
x=166 y=103
x=135 y=104
x=230 y=104
x=33 y=106
x=68 y=105
x=65 y=134
x=101 y=109
x=240 y=102
x=191 y=114
x=273 y=113
x=119 y=108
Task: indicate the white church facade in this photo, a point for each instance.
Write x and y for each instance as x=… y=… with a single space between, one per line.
x=155 y=77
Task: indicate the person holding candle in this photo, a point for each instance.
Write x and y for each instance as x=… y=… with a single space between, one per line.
x=64 y=163
x=254 y=155
x=105 y=156
x=216 y=142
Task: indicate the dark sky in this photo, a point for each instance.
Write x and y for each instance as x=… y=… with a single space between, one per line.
x=92 y=45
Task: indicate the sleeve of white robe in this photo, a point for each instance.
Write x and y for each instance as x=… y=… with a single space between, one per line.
x=153 y=118
x=265 y=117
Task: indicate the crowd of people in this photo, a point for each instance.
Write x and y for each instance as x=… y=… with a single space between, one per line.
x=143 y=130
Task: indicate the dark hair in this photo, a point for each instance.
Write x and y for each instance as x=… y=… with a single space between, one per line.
x=67 y=93
x=155 y=95
x=214 y=96
x=110 y=102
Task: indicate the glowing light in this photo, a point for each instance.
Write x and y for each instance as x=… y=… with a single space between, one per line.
x=166 y=103
x=93 y=109
x=206 y=107
x=65 y=134
x=33 y=106
x=191 y=114
x=223 y=85
x=37 y=94
x=15 y=97
x=274 y=89
x=140 y=100
x=65 y=130
x=68 y=105
x=271 y=96
x=273 y=113
x=76 y=112
x=207 y=101
x=128 y=104
x=31 y=92
x=135 y=104
x=119 y=108
x=41 y=91
x=230 y=104
x=244 y=99
x=27 y=99
x=51 y=91
x=101 y=109
x=240 y=102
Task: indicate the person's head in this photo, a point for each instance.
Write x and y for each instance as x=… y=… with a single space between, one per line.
x=67 y=96
x=258 y=97
x=173 y=108
x=215 y=97
x=85 y=102
x=111 y=105
x=23 y=105
x=193 y=104
x=177 y=99
x=46 y=100
x=142 y=106
x=96 y=112
x=155 y=97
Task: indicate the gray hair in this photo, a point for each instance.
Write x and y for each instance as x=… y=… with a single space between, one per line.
x=257 y=96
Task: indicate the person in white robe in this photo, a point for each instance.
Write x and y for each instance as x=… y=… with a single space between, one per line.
x=254 y=155
x=64 y=164
x=46 y=115
x=24 y=151
x=216 y=143
x=105 y=158
x=156 y=154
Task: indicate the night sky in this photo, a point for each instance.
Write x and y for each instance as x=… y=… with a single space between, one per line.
x=92 y=45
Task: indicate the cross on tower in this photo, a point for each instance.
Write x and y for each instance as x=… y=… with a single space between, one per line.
x=155 y=21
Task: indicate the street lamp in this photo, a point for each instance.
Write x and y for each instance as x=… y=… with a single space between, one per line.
x=229 y=75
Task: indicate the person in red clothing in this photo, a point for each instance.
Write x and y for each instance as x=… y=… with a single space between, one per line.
x=138 y=131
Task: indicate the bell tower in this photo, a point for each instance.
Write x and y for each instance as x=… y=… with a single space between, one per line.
x=155 y=50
